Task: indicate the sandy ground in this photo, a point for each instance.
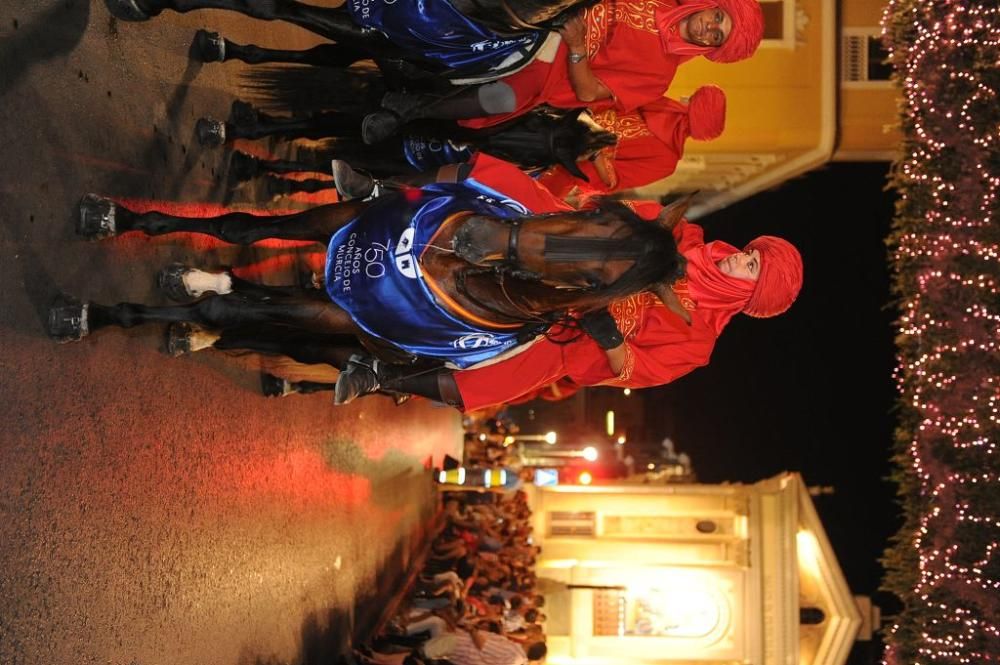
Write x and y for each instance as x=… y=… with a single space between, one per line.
x=158 y=510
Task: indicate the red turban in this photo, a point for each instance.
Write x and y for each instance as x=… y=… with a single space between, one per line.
x=707 y=112
x=748 y=30
x=780 y=277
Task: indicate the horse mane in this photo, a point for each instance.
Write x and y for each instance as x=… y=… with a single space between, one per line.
x=659 y=262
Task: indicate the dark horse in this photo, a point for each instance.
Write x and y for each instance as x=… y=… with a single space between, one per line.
x=503 y=18
x=447 y=274
x=535 y=141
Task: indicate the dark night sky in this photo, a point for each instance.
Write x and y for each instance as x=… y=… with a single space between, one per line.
x=811 y=390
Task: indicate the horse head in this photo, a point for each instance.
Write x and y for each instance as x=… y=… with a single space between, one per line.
x=546 y=137
x=575 y=260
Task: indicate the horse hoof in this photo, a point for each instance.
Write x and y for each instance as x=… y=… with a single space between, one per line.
x=211 y=133
x=377 y=127
x=209 y=46
x=97 y=217
x=275 y=386
x=242 y=114
x=277 y=187
x=170 y=281
x=68 y=319
x=244 y=167
x=131 y=10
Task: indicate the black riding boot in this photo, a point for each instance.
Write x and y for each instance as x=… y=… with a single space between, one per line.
x=401 y=107
x=365 y=375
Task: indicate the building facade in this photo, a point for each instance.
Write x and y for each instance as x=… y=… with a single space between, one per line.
x=817 y=90
x=676 y=574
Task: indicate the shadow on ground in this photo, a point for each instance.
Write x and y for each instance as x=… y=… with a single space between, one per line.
x=54 y=33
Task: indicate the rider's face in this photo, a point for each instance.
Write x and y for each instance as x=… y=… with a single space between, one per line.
x=744 y=265
x=709 y=27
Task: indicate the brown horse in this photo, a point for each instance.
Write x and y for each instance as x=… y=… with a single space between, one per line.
x=460 y=287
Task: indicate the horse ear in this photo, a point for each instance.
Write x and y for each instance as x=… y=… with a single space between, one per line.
x=575 y=170
x=674 y=211
x=672 y=302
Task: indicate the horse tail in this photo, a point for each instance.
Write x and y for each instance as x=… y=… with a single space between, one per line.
x=304 y=89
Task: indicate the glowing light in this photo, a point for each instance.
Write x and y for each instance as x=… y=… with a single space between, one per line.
x=621 y=440
x=590 y=453
x=609 y=422
x=551 y=438
x=585 y=478
x=627 y=392
x=946 y=260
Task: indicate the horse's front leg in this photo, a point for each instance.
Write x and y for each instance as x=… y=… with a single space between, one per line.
x=100 y=218
x=298 y=310
x=332 y=23
x=213 y=47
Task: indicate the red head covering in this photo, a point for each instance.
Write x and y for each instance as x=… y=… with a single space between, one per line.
x=743 y=39
x=707 y=112
x=718 y=296
x=748 y=30
x=780 y=277
x=702 y=118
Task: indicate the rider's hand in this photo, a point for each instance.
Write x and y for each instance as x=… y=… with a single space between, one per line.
x=601 y=326
x=574 y=33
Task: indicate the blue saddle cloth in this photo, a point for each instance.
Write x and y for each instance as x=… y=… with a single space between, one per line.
x=438 y=32
x=373 y=272
x=428 y=154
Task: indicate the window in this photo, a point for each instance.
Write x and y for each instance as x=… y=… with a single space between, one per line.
x=779 y=23
x=565 y=523
x=863 y=59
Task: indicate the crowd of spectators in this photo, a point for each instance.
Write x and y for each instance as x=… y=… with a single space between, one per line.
x=474 y=602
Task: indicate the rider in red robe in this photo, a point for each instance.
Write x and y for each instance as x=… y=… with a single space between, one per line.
x=650 y=143
x=620 y=55
x=657 y=345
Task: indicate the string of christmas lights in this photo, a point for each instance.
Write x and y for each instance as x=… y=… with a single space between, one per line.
x=945 y=253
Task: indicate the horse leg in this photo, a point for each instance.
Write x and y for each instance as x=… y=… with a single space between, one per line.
x=299 y=310
x=213 y=47
x=332 y=23
x=101 y=218
x=245 y=166
x=285 y=186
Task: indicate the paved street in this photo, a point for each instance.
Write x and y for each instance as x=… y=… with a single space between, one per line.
x=157 y=510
